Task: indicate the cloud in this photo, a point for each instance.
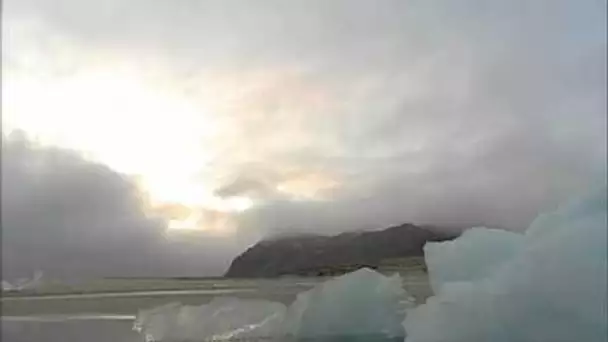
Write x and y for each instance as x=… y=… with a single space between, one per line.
x=352 y=114
x=68 y=216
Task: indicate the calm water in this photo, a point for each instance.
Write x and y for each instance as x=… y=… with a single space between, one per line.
x=69 y=331
x=108 y=317
x=117 y=331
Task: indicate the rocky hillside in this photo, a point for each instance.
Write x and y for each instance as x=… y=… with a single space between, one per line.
x=313 y=255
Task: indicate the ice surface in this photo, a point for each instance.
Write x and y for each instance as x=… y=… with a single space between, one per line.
x=23 y=283
x=6 y=286
x=362 y=303
x=551 y=286
x=475 y=255
x=222 y=319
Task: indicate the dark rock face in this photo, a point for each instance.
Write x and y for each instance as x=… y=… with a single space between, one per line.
x=305 y=254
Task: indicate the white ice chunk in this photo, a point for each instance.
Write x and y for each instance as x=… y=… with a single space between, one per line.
x=362 y=303
x=553 y=289
x=475 y=255
x=222 y=319
x=6 y=286
x=23 y=283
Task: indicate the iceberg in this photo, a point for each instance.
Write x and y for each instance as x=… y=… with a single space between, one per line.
x=359 y=306
x=23 y=283
x=6 y=286
x=223 y=319
x=475 y=255
x=361 y=303
x=548 y=284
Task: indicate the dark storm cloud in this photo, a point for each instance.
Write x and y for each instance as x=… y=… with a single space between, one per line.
x=65 y=215
x=441 y=112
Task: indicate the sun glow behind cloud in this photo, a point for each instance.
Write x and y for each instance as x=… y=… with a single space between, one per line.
x=120 y=120
x=179 y=148
x=181 y=138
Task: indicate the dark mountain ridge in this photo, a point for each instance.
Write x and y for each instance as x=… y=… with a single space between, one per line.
x=302 y=255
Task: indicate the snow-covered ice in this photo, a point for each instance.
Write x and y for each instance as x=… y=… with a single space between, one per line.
x=360 y=303
x=220 y=320
x=23 y=283
x=478 y=253
x=550 y=285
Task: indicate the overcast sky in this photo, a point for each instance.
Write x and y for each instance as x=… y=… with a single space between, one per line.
x=244 y=119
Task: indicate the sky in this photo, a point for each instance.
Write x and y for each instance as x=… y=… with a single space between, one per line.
x=164 y=137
